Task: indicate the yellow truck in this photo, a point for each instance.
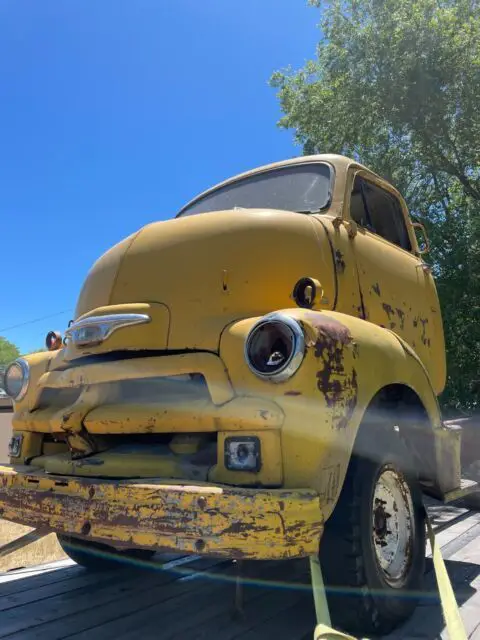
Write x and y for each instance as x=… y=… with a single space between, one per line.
x=256 y=378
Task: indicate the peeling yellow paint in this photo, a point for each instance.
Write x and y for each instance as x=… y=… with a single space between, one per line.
x=361 y=336
x=211 y=519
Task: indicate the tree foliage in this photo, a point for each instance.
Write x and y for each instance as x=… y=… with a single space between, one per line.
x=8 y=351
x=396 y=85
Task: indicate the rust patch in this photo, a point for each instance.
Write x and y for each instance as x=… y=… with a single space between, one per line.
x=243 y=527
x=350 y=394
x=401 y=317
x=339 y=387
x=330 y=331
x=388 y=310
x=292 y=393
x=355 y=350
x=423 y=337
x=339 y=261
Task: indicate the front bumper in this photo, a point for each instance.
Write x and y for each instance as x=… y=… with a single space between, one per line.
x=206 y=519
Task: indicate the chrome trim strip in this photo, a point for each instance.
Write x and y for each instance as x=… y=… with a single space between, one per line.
x=109 y=324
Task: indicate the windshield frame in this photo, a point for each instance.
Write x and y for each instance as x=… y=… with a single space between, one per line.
x=255 y=172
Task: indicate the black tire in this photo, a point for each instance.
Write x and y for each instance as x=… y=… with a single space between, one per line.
x=361 y=597
x=100 y=557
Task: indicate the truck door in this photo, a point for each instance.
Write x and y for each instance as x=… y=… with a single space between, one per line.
x=397 y=291
x=347 y=294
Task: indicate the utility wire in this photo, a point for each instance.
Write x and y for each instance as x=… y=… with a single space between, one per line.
x=22 y=324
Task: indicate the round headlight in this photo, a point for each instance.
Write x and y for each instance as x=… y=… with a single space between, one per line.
x=16 y=379
x=275 y=347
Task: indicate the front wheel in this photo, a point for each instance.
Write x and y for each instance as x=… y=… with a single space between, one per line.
x=373 y=549
x=99 y=557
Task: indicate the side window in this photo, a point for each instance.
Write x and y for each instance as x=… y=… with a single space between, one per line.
x=383 y=213
x=358 y=210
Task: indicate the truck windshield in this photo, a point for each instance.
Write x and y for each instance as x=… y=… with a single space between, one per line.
x=304 y=188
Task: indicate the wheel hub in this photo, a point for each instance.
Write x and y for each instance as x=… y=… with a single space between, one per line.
x=392 y=526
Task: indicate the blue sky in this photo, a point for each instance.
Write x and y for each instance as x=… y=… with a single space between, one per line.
x=113 y=114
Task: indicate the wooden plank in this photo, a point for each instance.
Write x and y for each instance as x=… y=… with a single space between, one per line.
x=262 y=604
x=441 y=518
x=89 y=611
x=41 y=575
x=116 y=589
x=218 y=603
x=81 y=578
x=459 y=542
x=17 y=580
x=462 y=559
x=174 y=613
x=65 y=601
x=203 y=615
x=289 y=624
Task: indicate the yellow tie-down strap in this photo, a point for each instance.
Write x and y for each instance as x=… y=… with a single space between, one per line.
x=451 y=613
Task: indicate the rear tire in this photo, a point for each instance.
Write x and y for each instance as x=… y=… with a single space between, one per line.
x=373 y=549
x=100 y=557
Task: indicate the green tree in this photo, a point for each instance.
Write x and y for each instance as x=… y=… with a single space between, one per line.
x=8 y=351
x=396 y=85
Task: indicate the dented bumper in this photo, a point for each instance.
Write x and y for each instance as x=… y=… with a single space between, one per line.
x=206 y=519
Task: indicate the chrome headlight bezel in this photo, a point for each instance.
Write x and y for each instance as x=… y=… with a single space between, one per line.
x=297 y=352
x=25 y=370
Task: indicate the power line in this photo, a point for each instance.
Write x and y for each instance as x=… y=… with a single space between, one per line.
x=22 y=324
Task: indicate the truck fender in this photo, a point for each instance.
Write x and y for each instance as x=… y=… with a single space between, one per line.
x=347 y=363
x=352 y=361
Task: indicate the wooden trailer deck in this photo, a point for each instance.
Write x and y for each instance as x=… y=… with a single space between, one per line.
x=194 y=598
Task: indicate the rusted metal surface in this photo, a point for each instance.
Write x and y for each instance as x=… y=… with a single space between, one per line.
x=338 y=385
x=168 y=414
x=213 y=520
x=339 y=262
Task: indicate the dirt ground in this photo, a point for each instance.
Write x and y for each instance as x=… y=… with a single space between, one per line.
x=45 y=550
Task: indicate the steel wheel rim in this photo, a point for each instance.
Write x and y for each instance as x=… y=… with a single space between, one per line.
x=392 y=526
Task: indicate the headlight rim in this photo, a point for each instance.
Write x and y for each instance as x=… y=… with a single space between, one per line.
x=292 y=364
x=25 y=367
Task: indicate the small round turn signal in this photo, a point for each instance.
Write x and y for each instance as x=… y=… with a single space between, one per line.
x=53 y=341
